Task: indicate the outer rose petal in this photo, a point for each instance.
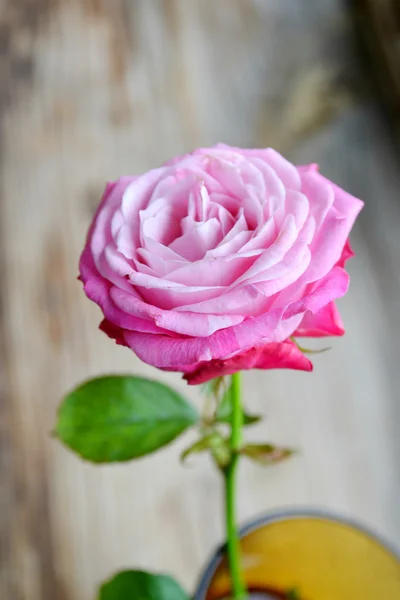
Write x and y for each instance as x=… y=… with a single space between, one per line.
x=347 y=253
x=332 y=286
x=312 y=167
x=184 y=353
x=284 y=355
x=113 y=332
x=335 y=212
x=326 y=322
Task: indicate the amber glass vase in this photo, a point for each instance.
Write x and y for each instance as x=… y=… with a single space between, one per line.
x=309 y=555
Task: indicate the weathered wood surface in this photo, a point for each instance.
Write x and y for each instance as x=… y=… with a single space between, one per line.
x=92 y=89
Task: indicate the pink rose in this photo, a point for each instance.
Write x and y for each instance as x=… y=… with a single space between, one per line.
x=211 y=263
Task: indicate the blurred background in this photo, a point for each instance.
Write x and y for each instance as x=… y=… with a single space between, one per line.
x=93 y=89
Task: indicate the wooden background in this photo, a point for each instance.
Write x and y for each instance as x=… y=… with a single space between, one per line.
x=90 y=90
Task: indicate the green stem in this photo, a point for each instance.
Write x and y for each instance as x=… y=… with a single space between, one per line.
x=238 y=586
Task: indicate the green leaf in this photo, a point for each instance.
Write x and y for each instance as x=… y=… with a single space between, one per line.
x=117 y=418
x=139 y=585
x=215 y=443
x=202 y=445
x=223 y=413
x=266 y=454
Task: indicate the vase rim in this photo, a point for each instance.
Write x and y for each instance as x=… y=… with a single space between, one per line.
x=287 y=514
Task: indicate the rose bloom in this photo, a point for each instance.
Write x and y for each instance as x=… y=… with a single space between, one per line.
x=211 y=263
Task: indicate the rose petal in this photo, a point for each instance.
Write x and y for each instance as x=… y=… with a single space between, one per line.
x=100 y=233
x=347 y=253
x=264 y=236
x=174 y=297
x=276 y=252
x=213 y=272
x=125 y=241
x=139 y=191
x=327 y=246
x=229 y=203
x=113 y=332
x=232 y=247
x=228 y=175
x=297 y=204
x=163 y=228
x=248 y=300
x=199 y=202
x=326 y=322
x=286 y=172
x=162 y=252
x=305 y=168
x=273 y=185
x=284 y=355
x=334 y=285
x=194 y=244
x=185 y=323
x=100 y=291
x=158 y=266
x=164 y=352
x=195 y=325
x=345 y=203
x=117 y=222
x=320 y=195
x=273 y=278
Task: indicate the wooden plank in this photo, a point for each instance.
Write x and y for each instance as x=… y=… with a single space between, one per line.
x=92 y=89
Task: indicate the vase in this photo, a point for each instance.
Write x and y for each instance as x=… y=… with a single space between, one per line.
x=310 y=555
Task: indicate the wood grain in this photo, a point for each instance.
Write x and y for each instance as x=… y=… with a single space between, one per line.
x=93 y=89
